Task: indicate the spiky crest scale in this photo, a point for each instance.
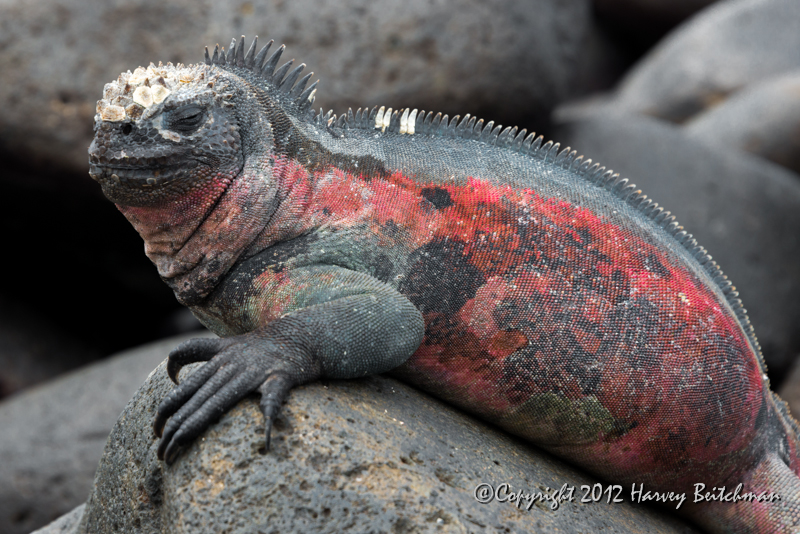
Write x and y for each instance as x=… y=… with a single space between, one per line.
x=469 y=128
x=256 y=63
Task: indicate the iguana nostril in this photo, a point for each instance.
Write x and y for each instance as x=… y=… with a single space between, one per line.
x=127 y=129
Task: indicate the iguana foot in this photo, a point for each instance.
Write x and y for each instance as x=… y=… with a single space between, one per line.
x=236 y=367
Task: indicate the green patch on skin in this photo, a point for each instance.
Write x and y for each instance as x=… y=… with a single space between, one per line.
x=550 y=418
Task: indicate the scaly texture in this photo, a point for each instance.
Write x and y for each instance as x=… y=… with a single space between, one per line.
x=509 y=277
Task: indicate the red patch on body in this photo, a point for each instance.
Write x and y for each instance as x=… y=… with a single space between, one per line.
x=565 y=302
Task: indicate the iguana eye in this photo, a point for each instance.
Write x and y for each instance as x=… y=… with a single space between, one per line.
x=186 y=119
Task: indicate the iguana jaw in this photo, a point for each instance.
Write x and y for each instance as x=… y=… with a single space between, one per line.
x=122 y=184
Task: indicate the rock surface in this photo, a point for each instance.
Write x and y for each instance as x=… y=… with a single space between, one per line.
x=725 y=47
x=745 y=211
x=454 y=56
x=53 y=435
x=763 y=119
x=370 y=455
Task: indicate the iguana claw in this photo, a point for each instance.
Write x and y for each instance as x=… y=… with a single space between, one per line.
x=273 y=392
x=236 y=367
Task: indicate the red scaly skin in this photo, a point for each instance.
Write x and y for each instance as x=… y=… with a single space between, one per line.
x=465 y=358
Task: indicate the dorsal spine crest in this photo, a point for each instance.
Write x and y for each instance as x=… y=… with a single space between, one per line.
x=266 y=70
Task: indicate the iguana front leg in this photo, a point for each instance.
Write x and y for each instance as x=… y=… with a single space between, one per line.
x=344 y=324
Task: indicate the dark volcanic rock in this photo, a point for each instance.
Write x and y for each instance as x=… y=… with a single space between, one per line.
x=725 y=47
x=763 y=119
x=744 y=210
x=370 y=455
x=53 y=435
x=456 y=56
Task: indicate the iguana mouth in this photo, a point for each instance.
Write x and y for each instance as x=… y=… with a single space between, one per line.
x=137 y=176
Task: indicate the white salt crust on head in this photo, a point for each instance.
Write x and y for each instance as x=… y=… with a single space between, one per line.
x=134 y=92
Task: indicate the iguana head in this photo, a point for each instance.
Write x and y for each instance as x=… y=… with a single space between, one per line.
x=162 y=132
x=167 y=131
x=187 y=154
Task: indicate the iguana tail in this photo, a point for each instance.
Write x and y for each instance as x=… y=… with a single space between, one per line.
x=766 y=498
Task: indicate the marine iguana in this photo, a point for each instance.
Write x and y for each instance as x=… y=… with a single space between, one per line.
x=506 y=275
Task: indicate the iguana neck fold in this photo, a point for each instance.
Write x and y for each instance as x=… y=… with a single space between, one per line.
x=183 y=242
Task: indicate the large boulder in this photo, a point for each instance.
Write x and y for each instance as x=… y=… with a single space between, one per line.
x=744 y=210
x=763 y=119
x=455 y=56
x=53 y=435
x=369 y=455
x=725 y=47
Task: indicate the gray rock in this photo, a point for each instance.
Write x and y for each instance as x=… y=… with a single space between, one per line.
x=744 y=210
x=763 y=119
x=66 y=524
x=459 y=56
x=53 y=435
x=368 y=455
x=724 y=48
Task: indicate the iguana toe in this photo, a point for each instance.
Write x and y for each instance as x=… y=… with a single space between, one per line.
x=192 y=351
